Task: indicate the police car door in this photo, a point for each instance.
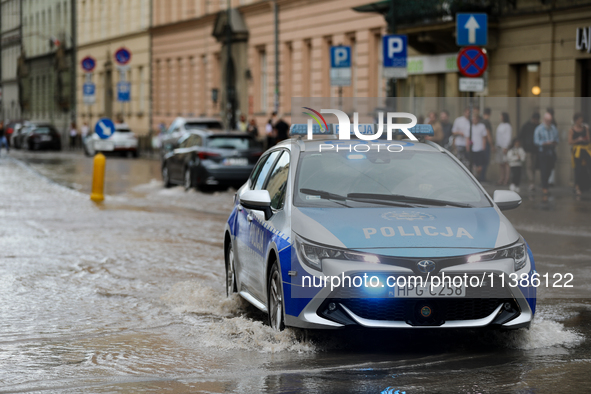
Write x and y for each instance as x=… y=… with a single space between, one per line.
x=276 y=185
x=249 y=245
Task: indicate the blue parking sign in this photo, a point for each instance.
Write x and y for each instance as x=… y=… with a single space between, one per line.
x=123 y=91
x=395 y=50
x=88 y=89
x=340 y=57
x=472 y=29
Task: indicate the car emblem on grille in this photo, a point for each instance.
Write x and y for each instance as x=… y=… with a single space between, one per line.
x=426 y=266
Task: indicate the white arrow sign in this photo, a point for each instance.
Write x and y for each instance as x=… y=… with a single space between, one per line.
x=471 y=26
x=106 y=130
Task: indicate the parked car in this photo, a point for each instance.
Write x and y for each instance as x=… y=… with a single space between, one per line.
x=11 y=128
x=180 y=126
x=42 y=136
x=204 y=158
x=123 y=140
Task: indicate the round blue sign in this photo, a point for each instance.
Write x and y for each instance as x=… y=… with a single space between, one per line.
x=104 y=128
x=122 y=56
x=88 y=63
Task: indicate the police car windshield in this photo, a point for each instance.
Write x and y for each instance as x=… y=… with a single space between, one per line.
x=369 y=179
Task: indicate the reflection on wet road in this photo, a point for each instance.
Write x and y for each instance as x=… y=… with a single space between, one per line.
x=129 y=296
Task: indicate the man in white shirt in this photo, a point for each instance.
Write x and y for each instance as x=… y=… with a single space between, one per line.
x=461 y=131
x=479 y=142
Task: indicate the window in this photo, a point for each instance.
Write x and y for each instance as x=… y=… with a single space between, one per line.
x=277 y=183
x=191 y=140
x=231 y=142
x=259 y=174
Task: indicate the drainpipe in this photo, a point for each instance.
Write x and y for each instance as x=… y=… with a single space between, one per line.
x=276 y=14
x=73 y=64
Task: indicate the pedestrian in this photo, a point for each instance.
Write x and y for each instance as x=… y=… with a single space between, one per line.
x=73 y=135
x=486 y=121
x=270 y=131
x=281 y=130
x=252 y=129
x=579 y=138
x=437 y=130
x=526 y=136
x=550 y=110
x=502 y=142
x=461 y=131
x=478 y=144
x=546 y=139
x=84 y=130
x=242 y=124
x=445 y=127
x=516 y=157
x=3 y=141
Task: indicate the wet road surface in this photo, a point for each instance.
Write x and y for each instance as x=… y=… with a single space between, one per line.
x=129 y=296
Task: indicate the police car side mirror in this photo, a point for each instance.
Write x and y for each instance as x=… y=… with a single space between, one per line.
x=259 y=200
x=506 y=199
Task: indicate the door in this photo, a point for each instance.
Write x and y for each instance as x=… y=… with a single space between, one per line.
x=249 y=243
x=276 y=185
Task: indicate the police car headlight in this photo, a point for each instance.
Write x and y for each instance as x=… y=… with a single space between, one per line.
x=313 y=254
x=517 y=252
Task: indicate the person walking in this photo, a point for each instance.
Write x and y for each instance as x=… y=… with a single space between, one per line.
x=546 y=139
x=580 y=140
x=445 y=127
x=526 y=136
x=270 y=132
x=478 y=145
x=486 y=121
x=461 y=132
x=3 y=141
x=281 y=130
x=252 y=129
x=73 y=135
x=242 y=124
x=516 y=157
x=502 y=142
x=437 y=130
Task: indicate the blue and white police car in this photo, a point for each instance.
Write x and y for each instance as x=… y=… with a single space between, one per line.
x=330 y=233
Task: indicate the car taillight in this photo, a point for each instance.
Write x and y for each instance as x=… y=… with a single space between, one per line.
x=257 y=154
x=207 y=155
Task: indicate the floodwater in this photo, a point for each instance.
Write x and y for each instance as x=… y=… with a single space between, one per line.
x=129 y=296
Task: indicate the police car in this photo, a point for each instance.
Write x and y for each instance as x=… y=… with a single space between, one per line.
x=330 y=233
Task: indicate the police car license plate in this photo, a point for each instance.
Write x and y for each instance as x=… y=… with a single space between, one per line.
x=236 y=161
x=104 y=145
x=447 y=290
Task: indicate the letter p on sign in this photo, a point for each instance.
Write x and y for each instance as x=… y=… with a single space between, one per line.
x=395 y=45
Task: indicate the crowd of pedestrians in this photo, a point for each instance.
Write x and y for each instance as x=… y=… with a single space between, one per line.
x=533 y=148
x=276 y=129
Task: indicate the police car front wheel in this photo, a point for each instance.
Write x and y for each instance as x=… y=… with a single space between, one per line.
x=275 y=299
x=230 y=276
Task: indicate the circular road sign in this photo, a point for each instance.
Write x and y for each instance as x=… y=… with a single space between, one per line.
x=472 y=62
x=104 y=128
x=88 y=63
x=122 y=56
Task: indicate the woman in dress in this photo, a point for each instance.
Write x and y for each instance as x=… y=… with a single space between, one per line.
x=502 y=142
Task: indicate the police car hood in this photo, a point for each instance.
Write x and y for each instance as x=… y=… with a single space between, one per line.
x=406 y=232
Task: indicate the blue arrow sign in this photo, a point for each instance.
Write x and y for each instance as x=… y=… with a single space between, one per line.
x=472 y=29
x=104 y=128
x=395 y=50
x=340 y=57
x=88 y=89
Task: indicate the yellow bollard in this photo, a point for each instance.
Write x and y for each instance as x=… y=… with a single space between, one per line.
x=98 y=178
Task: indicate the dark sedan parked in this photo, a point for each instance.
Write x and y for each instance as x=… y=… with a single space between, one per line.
x=42 y=136
x=206 y=159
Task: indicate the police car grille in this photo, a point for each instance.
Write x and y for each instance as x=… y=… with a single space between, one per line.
x=390 y=309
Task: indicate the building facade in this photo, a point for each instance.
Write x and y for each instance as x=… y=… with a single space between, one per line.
x=44 y=69
x=10 y=37
x=104 y=27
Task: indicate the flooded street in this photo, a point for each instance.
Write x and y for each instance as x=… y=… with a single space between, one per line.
x=129 y=296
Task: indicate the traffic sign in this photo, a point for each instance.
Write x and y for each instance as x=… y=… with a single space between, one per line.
x=472 y=62
x=471 y=29
x=471 y=84
x=123 y=91
x=88 y=63
x=104 y=128
x=395 y=50
x=88 y=93
x=122 y=55
x=340 y=66
x=340 y=57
